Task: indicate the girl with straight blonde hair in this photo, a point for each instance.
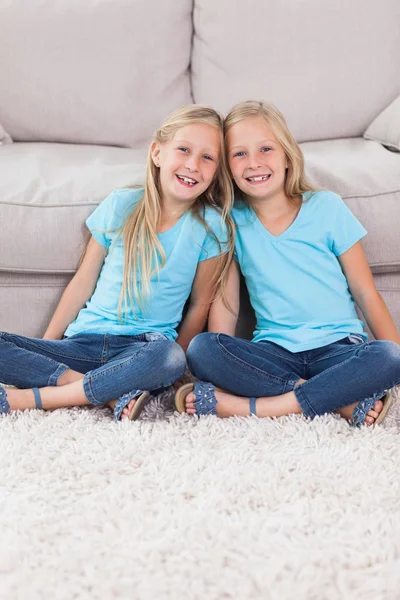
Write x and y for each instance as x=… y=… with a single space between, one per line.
x=113 y=336
x=300 y=254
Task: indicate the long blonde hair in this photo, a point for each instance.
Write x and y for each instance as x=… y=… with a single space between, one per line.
x=144 y=255
x=296 y=182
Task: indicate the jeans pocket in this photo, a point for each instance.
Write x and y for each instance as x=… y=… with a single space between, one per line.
x=355 y=339
x=153 y=336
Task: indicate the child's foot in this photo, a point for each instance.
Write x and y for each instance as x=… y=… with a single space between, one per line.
x=20 y=399
x=133 y=407
x=227 y=404
x=206 y=399
x=127 y=410
x=372 y=415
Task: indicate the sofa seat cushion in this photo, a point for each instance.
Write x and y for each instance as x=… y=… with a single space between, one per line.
x=367 y=176
x=46 y=193
x=28 y=301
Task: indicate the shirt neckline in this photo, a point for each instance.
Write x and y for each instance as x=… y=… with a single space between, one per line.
x=287 y=231
x=175 y=226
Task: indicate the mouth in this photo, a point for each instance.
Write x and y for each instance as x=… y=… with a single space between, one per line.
x=186 y=181
x=257 y=179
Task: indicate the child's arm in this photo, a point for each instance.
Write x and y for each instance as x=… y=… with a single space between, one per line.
x=200 y=299
x=78 y=291
x=221 y=319
x=362 y=287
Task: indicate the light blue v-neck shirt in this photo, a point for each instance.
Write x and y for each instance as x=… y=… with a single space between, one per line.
x=295 y=282
x=185 y=245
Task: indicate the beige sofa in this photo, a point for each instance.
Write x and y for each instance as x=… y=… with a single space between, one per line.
x=84 y=85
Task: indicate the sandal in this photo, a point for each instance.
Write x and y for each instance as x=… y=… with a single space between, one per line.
x=205 y=398
x=140 y=403
x=361 y=410
x=387 y=400
x=5 y=407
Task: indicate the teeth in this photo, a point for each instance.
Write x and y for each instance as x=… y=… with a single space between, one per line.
x=261 y=178
x=186 y=179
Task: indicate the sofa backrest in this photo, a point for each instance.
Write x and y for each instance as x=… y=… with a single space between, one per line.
x=92 y=71
x=331 y=66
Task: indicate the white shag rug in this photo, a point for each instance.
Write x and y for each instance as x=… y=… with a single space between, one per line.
x=180 y=508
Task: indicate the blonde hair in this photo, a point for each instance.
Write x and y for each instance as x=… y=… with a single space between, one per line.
x=144 y=255
x=296 y=182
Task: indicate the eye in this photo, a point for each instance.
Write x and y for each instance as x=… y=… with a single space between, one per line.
x=208 y=157
x=183 y=149
x=240 y=153
x=266 y=149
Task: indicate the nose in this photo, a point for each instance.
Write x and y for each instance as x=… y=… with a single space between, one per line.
x=192 y=162
x=254 y=161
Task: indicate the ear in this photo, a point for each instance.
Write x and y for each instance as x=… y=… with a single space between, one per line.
x=155 y=153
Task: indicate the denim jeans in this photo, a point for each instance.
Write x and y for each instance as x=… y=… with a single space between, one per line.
x=337 y=375
x=113 y=365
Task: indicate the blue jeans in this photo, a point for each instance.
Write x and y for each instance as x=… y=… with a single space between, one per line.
x=113 y=365
x=337 y=375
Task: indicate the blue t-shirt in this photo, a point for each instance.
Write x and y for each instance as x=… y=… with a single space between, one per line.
x=295 y=282
x=185 y=245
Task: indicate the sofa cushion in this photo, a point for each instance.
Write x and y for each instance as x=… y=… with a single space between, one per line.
x=329 y=65
x=46 y=193
x=367 y=176
x=385 y=129
x=5 y=138
x=99 y=72
x=28 y=301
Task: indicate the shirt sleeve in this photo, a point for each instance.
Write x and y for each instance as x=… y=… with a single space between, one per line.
x=347 y=229
x=210 y=247
x=99 y=222
x=108 y=218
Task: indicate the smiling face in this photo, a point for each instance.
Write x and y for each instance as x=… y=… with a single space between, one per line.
x=256 y=159
x=187 y=162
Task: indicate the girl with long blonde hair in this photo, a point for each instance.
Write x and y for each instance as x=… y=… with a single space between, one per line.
x=113 y=337
x=300 y=254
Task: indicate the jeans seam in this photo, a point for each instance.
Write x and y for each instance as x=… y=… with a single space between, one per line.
x=37 y=347
x=103 y=356
x=53 y=379
x=301 y=398
x=88 y=391
x=325 y=371
x=255 y=369
x=349 y=348
x=48 y=358
x=277 y=354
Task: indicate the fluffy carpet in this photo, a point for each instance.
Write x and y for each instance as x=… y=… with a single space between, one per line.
x=180 y=508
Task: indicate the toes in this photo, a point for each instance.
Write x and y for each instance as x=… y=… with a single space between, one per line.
x=369 y=420
x=373 y=413
x=189 y=403
x=190 y=400
x=127 y=410
x=378 y=406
